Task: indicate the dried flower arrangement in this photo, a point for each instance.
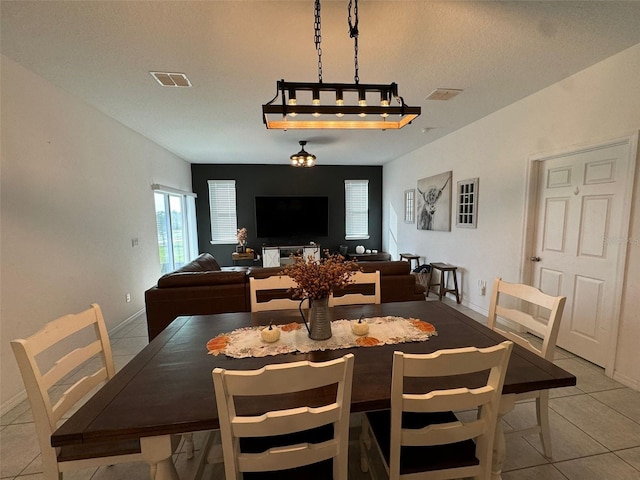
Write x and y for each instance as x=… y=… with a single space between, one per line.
x=241 y=235
x=317 y=278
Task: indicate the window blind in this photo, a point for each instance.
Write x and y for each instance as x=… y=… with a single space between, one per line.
x=222 y=208
x=356 y=209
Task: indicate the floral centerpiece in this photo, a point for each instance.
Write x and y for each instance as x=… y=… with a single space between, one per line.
x=316 y=279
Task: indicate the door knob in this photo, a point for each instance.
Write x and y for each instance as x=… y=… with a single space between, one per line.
x=535 y=259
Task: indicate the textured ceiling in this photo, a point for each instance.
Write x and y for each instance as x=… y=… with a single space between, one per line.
x=234 y=52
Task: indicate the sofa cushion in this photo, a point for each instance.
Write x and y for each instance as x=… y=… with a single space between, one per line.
x=203 y=263
x=264 y=272
x=190 y=279
x=394 y=267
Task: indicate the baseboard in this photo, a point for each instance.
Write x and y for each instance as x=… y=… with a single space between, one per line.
x=22 y=395
x=475 y=308
x=127 y=321
x=627 y=381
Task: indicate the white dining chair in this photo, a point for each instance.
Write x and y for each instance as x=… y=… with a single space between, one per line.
x=528 y=310
x=357 y=298
x=421 y=436
x=277 y=285
x=308 y=439
x=77 y=341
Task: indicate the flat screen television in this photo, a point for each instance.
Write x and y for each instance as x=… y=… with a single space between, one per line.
x=292 y=217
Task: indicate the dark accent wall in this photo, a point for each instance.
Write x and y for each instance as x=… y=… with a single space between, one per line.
x=252 y=180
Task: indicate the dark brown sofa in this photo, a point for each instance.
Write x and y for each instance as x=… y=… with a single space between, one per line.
x=202 y=287
x=397 y=284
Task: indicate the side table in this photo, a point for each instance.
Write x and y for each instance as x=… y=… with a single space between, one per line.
x=444 y=269
x=410 y=257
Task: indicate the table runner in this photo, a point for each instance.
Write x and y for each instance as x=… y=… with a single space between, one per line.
x=247 y=342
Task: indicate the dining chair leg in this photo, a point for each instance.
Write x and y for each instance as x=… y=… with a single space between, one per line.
x=507 y=404
x=365 y=445
x=542 y=413
x=208 y=455
x=188 y=444
x=499 y=451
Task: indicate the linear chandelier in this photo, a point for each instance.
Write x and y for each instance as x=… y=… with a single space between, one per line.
x=337 y=105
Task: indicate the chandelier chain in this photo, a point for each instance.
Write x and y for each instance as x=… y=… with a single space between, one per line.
x=318 y=37
x=353 y=33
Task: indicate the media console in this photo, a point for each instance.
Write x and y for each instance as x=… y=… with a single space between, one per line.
x=278 y=255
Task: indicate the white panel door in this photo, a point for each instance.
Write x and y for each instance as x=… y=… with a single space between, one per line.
x=580 y=213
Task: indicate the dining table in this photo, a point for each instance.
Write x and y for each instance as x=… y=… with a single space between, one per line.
x=167 y=388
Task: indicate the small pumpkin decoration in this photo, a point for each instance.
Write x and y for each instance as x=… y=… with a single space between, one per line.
x=360 y=327
x=270 y=334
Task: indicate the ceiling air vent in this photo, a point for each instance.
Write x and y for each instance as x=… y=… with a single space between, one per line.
x=443 y=94
x=167 y=79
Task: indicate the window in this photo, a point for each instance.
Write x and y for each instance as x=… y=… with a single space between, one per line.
x=176 y=227
x=356 y=200
x=222 y=208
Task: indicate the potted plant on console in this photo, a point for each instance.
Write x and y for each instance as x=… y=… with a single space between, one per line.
x=241 y=235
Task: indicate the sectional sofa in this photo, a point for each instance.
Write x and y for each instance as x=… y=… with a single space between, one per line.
x=203 y=287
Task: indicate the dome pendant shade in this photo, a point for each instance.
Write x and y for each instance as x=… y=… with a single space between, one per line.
x=303 y=158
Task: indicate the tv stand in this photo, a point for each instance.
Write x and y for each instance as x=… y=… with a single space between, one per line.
x=279 y=255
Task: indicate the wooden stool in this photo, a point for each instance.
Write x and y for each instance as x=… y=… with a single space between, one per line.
x=410 y=257
x=443 y=290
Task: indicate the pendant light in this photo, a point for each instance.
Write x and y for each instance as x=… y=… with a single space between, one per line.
x=350 y=110
x=302 y=158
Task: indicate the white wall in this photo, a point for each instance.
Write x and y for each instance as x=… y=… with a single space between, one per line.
x=599 y=103
x=75 y=191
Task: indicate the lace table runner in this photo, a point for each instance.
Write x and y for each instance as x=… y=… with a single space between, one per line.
x=247 y=342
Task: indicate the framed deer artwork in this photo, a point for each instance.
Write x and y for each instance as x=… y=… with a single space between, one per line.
x=434 y=202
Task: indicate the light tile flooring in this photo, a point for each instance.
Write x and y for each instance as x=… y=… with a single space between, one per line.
x=595 y=430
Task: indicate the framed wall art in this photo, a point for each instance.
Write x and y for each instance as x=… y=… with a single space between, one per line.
x=409 y=206
x=467 y=203
x=434 y=202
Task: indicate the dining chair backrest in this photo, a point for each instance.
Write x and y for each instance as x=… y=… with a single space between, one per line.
x=540 y=314
x=527 y=317
x=278 y=287
x=282 y=379
x=485 y=399
x=359 y=278
x=77 y=341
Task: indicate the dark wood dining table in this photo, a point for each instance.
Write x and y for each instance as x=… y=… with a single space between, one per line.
x=167 y=388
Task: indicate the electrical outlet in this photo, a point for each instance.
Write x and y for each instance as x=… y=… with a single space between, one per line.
x=134 y=242
x=483 y=287
x=128 y=297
